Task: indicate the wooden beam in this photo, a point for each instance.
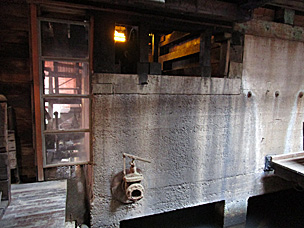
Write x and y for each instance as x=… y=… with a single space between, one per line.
x=174 y=36
x=188 y=48
x=36 y=90
x=207 y=12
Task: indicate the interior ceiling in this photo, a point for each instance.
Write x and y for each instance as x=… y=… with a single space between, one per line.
x=183 y=15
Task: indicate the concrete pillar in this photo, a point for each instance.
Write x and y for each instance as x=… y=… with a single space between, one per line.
x=235 y=213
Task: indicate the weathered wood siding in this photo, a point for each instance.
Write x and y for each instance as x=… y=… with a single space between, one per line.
x=15 y=79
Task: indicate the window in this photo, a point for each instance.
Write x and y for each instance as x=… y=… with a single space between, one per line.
x=64 y=69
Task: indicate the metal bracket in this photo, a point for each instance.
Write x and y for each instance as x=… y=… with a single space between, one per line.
x=268 y=160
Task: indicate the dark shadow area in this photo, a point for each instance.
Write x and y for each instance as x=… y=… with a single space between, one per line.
x=77 y=202
x=276 y=210
x=205 y=216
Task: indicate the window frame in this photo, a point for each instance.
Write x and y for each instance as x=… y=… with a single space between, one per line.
x=43 y=96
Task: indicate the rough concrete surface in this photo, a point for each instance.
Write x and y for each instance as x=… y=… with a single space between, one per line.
x=203 y=148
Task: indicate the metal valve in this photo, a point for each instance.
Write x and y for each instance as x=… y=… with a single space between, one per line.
x=133 y=189
x=126 y=185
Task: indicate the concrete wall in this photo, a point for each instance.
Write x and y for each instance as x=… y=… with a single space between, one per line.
x=207 y=138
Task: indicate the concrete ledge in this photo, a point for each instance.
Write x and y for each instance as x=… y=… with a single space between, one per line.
x=271 y=29
x=163 y=84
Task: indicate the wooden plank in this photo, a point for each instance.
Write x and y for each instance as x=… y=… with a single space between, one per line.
x=16 y=37
x=288 y=156
x=14 y=50
x=21 y=102
x=23 y=113
x=15 y=9
x=36 y=205
x=14 y=77
x=14 y=66
x=15 y=89
x=27 y=151
x=172 y=37
x=14 y=23
x=182 y=50
x=36 y=79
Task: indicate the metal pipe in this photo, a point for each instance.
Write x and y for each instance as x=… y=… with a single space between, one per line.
x=135 y=157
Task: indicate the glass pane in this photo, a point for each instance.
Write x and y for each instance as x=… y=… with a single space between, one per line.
x=64 y=40
x=65 y=77
x=67 y=147
x=66 y=113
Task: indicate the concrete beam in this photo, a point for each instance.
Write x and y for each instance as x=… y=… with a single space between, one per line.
x=162 y=84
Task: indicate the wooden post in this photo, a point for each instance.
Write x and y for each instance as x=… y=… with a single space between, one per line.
x=156 y=48
x=205 y=59
x=91 y=46
x=36 y=80
x=143 y=43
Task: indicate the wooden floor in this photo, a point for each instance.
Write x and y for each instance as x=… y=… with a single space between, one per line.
x=34 y=205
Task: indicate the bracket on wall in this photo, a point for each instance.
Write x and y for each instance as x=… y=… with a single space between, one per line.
x=268 y=167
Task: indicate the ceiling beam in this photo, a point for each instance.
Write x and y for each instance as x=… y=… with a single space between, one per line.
x=253 y=4
x=297 y=5
x=213 y=11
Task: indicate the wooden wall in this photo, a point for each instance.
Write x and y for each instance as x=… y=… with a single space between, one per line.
x=15 y=79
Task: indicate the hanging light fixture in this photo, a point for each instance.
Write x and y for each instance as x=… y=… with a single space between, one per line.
x=119 y=35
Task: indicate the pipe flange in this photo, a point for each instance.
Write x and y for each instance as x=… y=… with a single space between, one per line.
x=135 y=192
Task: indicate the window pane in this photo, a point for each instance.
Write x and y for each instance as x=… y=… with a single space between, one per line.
x=66 y=113
x=65 y=77
x=64 y=40
x=67 y=147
